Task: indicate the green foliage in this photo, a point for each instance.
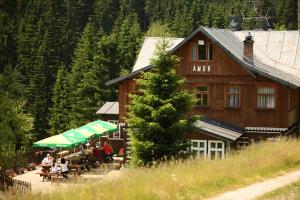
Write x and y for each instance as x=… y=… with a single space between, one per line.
x=279 y=27
x=10 y=158
x=83 y=80
x=128 y=42
x=61 y=107
x=157 y=118
x=158 y=29
x=15 y=125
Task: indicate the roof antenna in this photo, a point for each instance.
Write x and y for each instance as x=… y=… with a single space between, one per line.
x=260 y=21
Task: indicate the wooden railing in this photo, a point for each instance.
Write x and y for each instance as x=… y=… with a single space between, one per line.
x=7 y=183
x=21 y=186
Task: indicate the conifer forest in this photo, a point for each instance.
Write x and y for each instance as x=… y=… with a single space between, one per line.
x=56 y=55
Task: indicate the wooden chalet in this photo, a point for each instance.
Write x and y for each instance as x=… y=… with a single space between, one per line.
x=247 y=85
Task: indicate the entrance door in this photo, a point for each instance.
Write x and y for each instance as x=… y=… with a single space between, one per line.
x=216 y=149
x=199 y=148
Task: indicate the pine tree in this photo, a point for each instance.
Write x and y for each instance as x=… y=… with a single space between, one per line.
x=107 y=59
x=104 y=15
x=128 y=42
x=15 y=124
x=156 y=119
x=60 y=110
x=182 y=23
x=7 y=37
x=87 y=89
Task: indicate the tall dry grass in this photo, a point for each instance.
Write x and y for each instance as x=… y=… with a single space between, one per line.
x=193 y=179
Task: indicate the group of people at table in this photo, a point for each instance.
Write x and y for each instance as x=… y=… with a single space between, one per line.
x=60 y=166
x=50 y=165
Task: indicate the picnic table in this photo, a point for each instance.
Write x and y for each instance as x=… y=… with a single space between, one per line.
x=46 y=167
x=45 y=171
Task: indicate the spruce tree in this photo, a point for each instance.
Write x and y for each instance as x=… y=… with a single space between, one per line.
x=61 y=107
x=157 y=118
x=128 y=42
x=87 y=91
x=15 y=124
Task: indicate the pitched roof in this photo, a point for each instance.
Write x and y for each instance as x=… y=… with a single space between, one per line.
x=147 y=52
x=218 y=129
x=109 y=108
x=277 y=59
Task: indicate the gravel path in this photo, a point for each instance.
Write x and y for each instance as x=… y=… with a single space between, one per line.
x=257 y=189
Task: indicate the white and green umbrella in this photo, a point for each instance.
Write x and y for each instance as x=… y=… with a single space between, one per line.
x=57 y=141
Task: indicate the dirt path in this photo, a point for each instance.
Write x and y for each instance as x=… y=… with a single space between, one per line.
x=257 y=189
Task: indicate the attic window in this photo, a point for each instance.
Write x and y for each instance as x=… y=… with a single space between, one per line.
x=202 y=51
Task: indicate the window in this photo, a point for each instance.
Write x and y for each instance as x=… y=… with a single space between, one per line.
x=216 y=149
x=202 y=96
x=198 y=148
x=233 y=97
x=202 y=51
x=265 y=97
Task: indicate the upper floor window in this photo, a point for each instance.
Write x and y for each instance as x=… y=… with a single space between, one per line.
x=202 y=96
x=202 y=51
x=266 y=97
x=233 y=97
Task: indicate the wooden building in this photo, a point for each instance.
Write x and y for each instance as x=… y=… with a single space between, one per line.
x=109 y=112
x=246 y=85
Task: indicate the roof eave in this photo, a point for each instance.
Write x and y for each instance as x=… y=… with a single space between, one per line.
x=214 y=135
x=128 y=76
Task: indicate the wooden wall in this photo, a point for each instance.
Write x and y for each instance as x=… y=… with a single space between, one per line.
x=224 y=71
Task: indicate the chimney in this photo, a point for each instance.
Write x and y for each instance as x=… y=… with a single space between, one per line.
x=248 y=48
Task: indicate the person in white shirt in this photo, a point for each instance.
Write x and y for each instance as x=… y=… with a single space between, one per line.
x=48 y=160
x=64 y=167
x=54 y=169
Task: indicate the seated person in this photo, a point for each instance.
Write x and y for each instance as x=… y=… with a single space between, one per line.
x=53 y=169
x=97 y=153
x=64 y=167
x=48 y=160
x=108 y=151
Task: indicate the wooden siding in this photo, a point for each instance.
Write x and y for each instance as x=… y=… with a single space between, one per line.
x=225 y=72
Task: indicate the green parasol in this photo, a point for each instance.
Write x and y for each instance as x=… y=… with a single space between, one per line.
x=86 y=131
x=101 y=127
x=73 y=134
x=56 y=141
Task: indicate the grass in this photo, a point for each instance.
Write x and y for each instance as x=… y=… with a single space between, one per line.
x=291 y=192
x=193 y=179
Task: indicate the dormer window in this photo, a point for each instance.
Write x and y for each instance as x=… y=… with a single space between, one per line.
x=202 y=51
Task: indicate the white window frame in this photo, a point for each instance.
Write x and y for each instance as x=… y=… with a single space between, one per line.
x=216 y=149
x=199 y=149
x=117 y=133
